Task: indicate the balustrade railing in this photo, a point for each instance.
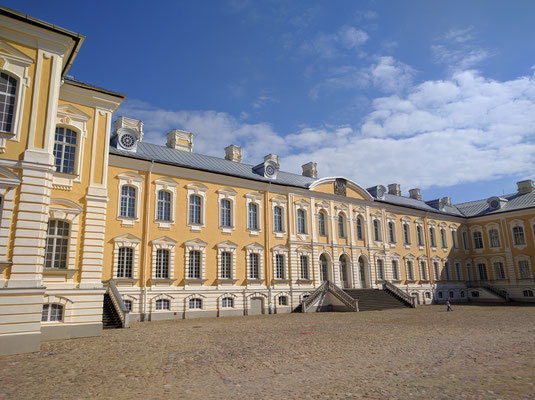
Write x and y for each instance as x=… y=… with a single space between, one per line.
x=306 y=303
x=349 y=302
x=402 y=295
x=122 y=311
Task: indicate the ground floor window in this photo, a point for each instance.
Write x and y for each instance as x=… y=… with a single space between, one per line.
x=462 y=293
x=451 y=294
x=283 y=301
x=195 y=304
x=528 y=293
x=162 y=304
x=475 y=294
x=128 y=305
x=52 y=313
x=228 y=302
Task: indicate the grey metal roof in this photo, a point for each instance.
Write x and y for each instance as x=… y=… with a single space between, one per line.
x=167 y=155
x=515 y=201
x=418 y=204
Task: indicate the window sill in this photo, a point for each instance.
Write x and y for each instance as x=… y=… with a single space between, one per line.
x=434 y=248
x=226 y=229
x=305 y=281
x=279 y=234
x=195 y=227
x=60 y=271
x=519 y=247
x=127 y=221
x=195 y=281
x=125 y=281
x=407 y=245
x=226 y=281
x=162 y=280
x=164 y=224
x=278 y=281
x=252 y=281
x=303 y=236
x=253 y=232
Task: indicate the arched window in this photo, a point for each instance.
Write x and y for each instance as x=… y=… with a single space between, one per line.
x=304 y=267
x=52 y=313
x=227 y=302
x=322 y=227
x=194 y=267
x=128 y=201
x=8 y=93
x=195 y=209
x=162 y=304
x=360 y=232
x=254 y=260
x=301 y=221
x=376 y=230
x=162 y=264
x=380 y=270
x=252 y=219
x=57 y=244
x=226 y=219
x=277 y=219
x=164 y=205
x=341 y=226
x=65 y=150
x=125 y=262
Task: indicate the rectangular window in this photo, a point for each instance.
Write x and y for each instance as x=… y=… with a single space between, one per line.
x=447 y=274
x=280 y=270
x=225 y=213
x=194 y=270
x=360 y=235
x=436 y=269
x=419 y=235
x=164 y=206
x=494 y=238
x=8 y=93
x=304 y=267
x=432 y=239
x=228 y=302
x=458 y=273
x=301 y=222
x=65 y=150
x=52 y=313
x=321 y=224
x=194 y=209
x=162 y=304
x=195 y=304
x=391 y=232
x=423 y=270
x=376 y=230
x=128 y=202
x=523 y=269
x=410 y=271
x=380 y=270
x=518 y=236
x=277 y=219
x=226 y=265
x=57 y=244
x=478 y=240
x=443 y=238
x=255 y=266
x=454 y=242
x=465 y=241
x=482 y=270
x=499 y=270
x=469 y=272
x=341 y=226
x=252 y=218
x=162 y=264
x=395 y=270
x=124 y=262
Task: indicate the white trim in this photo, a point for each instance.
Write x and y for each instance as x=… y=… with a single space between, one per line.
x=167 y=185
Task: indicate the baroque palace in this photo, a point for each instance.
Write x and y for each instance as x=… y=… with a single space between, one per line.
x=93 y=219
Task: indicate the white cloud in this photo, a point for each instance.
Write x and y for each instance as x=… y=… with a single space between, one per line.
x=459 y=35
x=330 y=45
x=457 y=50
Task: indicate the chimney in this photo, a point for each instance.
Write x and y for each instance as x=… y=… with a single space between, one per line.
x=233 y=153
x=415 y=194
x=310 y=169
x=180 y=140
x=394 y=189
x=273 y=158
x=526 y=186
x=134 y=124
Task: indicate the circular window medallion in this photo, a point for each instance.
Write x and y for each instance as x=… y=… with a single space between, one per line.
x=127 y=141
x=270 y=170
x=494 y=204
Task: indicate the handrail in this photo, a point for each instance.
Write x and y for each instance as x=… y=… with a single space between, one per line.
x=485 y=284
x=122 y=311
x=349 y=302
x=306 y=303
x=404 y=296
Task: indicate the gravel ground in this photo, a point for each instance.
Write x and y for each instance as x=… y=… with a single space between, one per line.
x=473 y=352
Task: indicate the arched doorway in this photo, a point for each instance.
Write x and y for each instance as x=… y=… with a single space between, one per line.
x=345 y=271
x=362 y=272
x=325 y=274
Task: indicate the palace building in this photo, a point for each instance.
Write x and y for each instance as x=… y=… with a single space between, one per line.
x=99 y=227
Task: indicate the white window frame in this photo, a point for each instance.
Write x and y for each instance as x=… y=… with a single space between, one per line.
x=255 y=248
x=342 y=234
x=162 y=299
x=136 y=181
x=422 y=267
x=133 y=242
x=443 y=236
x=255 y=198
x=395 y=258
x=392 y=235
x=436 y=264
x=360 y=217
x=518 y=223
x=380 y=262
x=229 y=194
x=458 y=270
x=454 y=237
x=223 y=297
x=497 y=270
x=446 y=269
x=305 y=252
x=302 y=206
x=420 y=237
x=167 y=185
x=466 y=240
x=200 y=246
x=281 y=250
x=226 y=247
x=164 y=243
x=406 y=224
x=490 y=227
x=198 y=299
x=473 y=230
x=523 y=258
x=377 y=234
x=409 y=258
x=281 y=202
x=198 y=189
x=325 y=212
x=432 y=231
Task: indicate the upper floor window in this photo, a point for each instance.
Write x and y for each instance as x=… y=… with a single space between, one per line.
x=447 y=274
x=432 y=238
x=225 y=213
x=162 y=264
x=280 y=269
x=523 y=269
x=380 y=270
x=322 y=227
x=499 y=270
x=406 y=234
x=465 y=241
x=252 y=218
x=194 y=267
x=518 y=236
x=419 y=235
x=8 y=95
x=162 y=304
x=376 y=230
x=164 y=205
x=304 y=267
x=195 y=203
x=443 y=238
x=494 y=238
x=125 y=262
x=277 y=219
x=478 y=240
x=128 y=201
x=410 y=270
x=458 y=273
x=360 y=232
x=301 y=221
x=52 y=313
x=226 y=265
x=391 y=232
x=395 y=270
x=65 y=150
x=254 y=260
x=454 y=240
x=423 y=270
x=436 y=269
x=57 y=243
x=341 y=226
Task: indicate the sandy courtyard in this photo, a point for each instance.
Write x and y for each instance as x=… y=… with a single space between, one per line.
x=473 y=352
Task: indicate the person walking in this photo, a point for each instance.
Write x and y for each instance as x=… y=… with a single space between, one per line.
x=448 y=304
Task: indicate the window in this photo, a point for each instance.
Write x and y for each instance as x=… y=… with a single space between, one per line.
x=65 y=150
x=439 y=295
x=376 y=230
x=447 y=274
x=162 y=304
x=124 y=262
x=474 y=293
x=518 y=236
x=301 y=221
x=436 y=269
x=57 y=243
x=280 y=270
x=380 y=270
x=322 y=228
x=341 y=226
x=360 y=234
x=432 y=239
x=128 y=305
x=252 y=216
x=162 y=264
x=227 y=302
x=406 y=234
x=195 y=209
x=523 y=269
x=128 y=201
x=419 y=235
x=482 y=270
x=478 y=240
x=195 y=304
x=225 y=213
x=277 y=219
x=499 y=270
x=304 y=267
x=164 y=206
x=226 y=265
x=443 y=238
x=494 y=238
x=427 y=295
x=423 y=270
x=52 y=313
x=395 y=270
x=450 y=294
x=465 y=241
x=254 y=260
x=8 y=93
x=462 y=293
x=469 y=272
x=458 y=273
x=454 y=240
x=283 y=300
x=194 y=267
x=410 y=270
x=391 y=232
x=528 y=293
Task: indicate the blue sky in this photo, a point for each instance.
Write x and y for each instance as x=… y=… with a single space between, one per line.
x=432 y=94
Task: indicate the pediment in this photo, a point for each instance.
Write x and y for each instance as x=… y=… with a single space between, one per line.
x=255 y=246
x=127 y=238
x=11 y=54
x=65 y=205
x=196 y=242
x=164 y=239
x=227 y=243
x=68 y=110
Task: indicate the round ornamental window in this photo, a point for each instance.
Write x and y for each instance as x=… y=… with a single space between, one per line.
x=270 y=170
x=494 y=204
x=127 y=141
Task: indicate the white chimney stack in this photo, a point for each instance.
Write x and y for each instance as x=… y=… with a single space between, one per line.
x=233 y=153
x=180 y=140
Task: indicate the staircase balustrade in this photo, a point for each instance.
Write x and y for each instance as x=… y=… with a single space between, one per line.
x=349 y=302
x=402 y=295
x=118 y=303
x=307 y=303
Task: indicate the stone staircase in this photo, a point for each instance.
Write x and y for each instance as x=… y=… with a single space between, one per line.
x=110 y=318
x=375 y=299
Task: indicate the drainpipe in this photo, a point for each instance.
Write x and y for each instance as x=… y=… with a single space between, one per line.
x=146 y=242
x=267 y=246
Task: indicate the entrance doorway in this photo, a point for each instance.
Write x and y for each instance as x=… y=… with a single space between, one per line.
x=324 y=268
x=362 y=272
x=344 y=273
x=256 y=306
